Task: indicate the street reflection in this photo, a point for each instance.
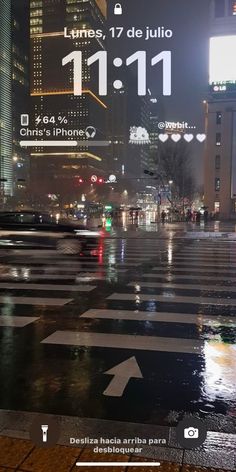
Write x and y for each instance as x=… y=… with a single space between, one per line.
x=219 y=375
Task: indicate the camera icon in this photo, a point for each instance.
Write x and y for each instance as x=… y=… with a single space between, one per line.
x=191 y=433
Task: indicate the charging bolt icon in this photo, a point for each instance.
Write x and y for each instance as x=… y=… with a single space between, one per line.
x=44 y=428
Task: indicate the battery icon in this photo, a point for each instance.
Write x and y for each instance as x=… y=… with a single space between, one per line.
x=24 y=119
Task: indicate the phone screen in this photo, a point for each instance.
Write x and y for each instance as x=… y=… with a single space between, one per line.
x=117 y=235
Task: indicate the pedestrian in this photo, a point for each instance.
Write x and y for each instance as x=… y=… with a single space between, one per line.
x=198 y=217
x=205 y=216
x=163 y=216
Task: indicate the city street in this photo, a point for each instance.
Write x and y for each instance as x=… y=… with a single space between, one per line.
x=143 y=333
x=117 y=236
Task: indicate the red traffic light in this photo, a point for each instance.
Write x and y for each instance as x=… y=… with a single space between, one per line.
x=81 y=181
x=100 y=180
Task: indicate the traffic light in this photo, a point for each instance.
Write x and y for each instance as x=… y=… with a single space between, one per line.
x=101 y=180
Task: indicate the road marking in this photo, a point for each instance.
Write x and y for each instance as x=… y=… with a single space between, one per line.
x=171 y=269
x=166 y=317
x=49 y=269
x=109 y=258
x=9 y=300
x=122 y=373
x=33 y=252
x=214 y=252
x=202 y=258
x=169 y=298
x=187 y=276
x=125 y=341
x=50 y=287
x=199 y=263
x=166 y=285
x=17 y=321
x=73 y=277
x=212 y=249
x=37 y=277
x=72 y=264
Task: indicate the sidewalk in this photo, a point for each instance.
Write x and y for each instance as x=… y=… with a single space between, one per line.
x=22 y=456
x=19 y=453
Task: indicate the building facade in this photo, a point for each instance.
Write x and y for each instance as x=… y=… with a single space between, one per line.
x=6 y=163
x=20 y=96
x=52 y=90
x=220 y=155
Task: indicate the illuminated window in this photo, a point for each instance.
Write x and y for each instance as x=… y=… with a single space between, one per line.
x=217 y=184
x=219 y=8
x=218 y=139
x=217 y=162
x=218 y=117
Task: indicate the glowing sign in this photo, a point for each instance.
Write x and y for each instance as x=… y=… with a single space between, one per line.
x=222 y=67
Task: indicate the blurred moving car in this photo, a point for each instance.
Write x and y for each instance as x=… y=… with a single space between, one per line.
x=32 y=229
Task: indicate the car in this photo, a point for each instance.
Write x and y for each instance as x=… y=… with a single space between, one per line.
x=33 y=229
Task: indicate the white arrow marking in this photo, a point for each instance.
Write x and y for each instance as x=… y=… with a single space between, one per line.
x=122 y=374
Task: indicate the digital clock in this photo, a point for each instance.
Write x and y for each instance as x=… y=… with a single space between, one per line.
x=140 y=57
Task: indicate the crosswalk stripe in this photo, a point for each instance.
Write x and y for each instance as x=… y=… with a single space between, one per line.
x=37 y=277
x=17 y=321
x=169 y=298
x=188 y=277
x=105 y=255
x=34 y=301
x=214 y=269
x=203 y=258
x=166 y=317
x=207 y=251
x=32 y=252
x=125 y=341
x=219 y=250
x=52 y=269
x=170 y=285
x=167 y=269
x=133 y=252
x=51 y=287
x=73 y=277
x=117 y=258
x=73 y=264
x=202 y=264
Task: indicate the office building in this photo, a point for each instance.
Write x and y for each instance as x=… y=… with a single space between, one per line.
x=149 y=119
x=220 y=155
x=6 y=168
x=20 y=95
x=52 y=90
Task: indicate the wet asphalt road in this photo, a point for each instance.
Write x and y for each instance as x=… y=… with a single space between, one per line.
x=66 y=321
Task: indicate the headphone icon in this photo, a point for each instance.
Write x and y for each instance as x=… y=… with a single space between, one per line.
x=90 y=132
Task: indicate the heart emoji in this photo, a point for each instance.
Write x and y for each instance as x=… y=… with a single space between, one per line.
x=188 y=137
x=176 y=137
x=201 y=137
x=163 y=137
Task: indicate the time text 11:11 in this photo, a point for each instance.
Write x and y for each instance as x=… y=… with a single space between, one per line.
x=139 y=57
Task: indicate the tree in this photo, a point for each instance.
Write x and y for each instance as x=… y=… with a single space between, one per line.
x=174 y=164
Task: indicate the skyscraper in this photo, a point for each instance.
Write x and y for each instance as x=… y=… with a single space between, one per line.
x=52 y=87
x=20 y=94
x=6 y=170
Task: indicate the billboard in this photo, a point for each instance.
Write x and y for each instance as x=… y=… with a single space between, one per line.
x=222 y=65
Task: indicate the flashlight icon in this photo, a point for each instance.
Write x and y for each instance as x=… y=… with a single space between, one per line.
x=44 y=428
